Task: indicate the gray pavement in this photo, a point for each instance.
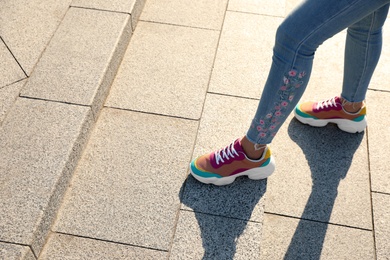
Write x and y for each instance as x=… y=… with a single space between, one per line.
x=103 y=105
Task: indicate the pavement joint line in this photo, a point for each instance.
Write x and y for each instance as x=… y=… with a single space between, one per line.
x=370 y=185
x=18 y=244
x=12 y=243
x=54 y=101
x=176 y=221
x=19 y=80
x=229 y=95
x=152 y=113
x=109 y=241
x=179 y=25
x=98 y=9
x=317 y=221
x=222 y=216
x=379 y=90
x=32 y=251
x=8 y=48
x=381 y=192
x=244 y=12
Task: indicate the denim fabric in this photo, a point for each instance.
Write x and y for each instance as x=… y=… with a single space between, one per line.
x=297 y=39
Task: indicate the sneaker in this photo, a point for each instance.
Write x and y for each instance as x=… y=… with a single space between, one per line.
x=224 y=166
x=331 y=111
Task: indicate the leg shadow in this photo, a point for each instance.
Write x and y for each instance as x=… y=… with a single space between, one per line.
x=223 y=212
x=329 y=153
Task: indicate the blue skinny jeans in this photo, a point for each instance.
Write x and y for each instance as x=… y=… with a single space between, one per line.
x=297 y=39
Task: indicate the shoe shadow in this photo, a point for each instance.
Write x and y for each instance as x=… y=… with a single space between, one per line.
x=223 y=212
x=329 y=153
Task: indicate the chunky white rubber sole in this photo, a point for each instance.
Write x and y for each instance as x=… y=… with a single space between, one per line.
x=254 y=174
x=344 y=124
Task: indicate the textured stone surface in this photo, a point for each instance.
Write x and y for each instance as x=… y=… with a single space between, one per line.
x=321 y=174
x=10 y=252
x=244 y=54
x=202 y=236
x=126 y=187
x=202 y=14
x=133 y=7
x=61 y=247
x=39 y=142
x=288 y=238
x=10 y=71
x=267 y=7
x=290 y=5
x=165 y=70
x=81 y=61
x=8 y=96
x=381 y=205
x=379 y=140
x=224 y=119
x=27 y=26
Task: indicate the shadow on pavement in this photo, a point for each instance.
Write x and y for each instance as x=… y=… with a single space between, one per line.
x=329 y=153
x=222 y=212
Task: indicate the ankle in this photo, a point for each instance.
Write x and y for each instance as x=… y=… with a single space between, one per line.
x=252 y=151
x=351 y=107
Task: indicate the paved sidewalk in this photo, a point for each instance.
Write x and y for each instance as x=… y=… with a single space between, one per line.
x=124 y=132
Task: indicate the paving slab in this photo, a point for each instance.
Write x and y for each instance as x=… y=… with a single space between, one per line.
x=224 y=119
x=27 y=26
x=379 y=139
x=40 y=143
x=8 y=96
x=266 y=7
x=133 y=7
x=381 y=206
x=126 y=187
x=81 y=61
x=61 y=247
x=10 y=71
x=244 y=54
x=165 y=70
x=207 y=14
x=11 y=252
x=289 y=238
x=203 y=236
x=321 y=174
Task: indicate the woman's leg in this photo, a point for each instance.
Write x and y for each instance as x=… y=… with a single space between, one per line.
x=296 y=42
x=297 y=39
x=362 y=50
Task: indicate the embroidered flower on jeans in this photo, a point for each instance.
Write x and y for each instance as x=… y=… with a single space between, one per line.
x=292 y=73
x=268 y=125
x=262 y=135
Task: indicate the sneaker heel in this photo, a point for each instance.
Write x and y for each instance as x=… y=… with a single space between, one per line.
x=262 y=172
x=353 y=127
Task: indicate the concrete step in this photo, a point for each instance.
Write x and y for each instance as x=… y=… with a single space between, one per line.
x=43 y=133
